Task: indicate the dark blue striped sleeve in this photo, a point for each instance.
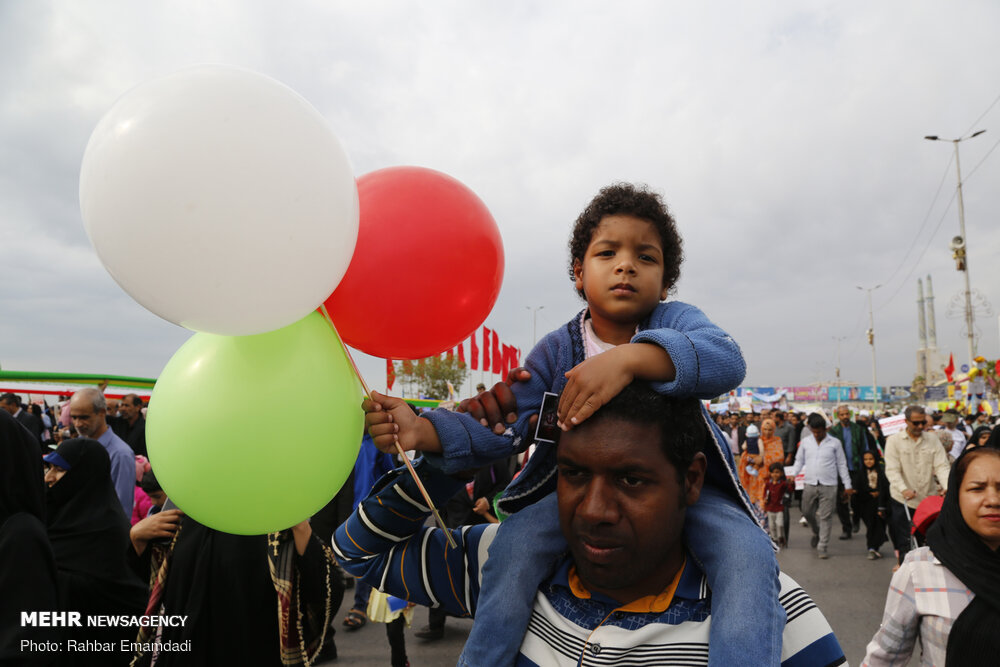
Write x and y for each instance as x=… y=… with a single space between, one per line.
x=385 y=542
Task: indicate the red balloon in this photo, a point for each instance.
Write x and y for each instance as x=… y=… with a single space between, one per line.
x=427 y=267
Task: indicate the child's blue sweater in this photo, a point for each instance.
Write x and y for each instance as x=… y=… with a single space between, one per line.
x=708 y=363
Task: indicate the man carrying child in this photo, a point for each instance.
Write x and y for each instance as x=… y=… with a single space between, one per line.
x=625 y=257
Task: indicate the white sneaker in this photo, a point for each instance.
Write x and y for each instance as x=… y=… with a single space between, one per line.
x=803 y=521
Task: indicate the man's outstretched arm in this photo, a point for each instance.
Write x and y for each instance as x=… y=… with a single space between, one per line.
x=385 y=542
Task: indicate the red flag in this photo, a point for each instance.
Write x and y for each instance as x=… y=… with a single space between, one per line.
x=474 y=351
x=949 y=370
x=390 y=375
x=450 y=353
x=461 y=352
x=509 y=360
x=486 y=349
x=497 y=357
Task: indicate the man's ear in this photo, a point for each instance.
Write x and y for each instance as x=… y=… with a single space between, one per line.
x=694 y=479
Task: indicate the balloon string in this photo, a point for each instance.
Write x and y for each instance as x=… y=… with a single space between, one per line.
x=399 y=449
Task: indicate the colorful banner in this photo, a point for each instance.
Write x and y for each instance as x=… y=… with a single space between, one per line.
x=811 y=394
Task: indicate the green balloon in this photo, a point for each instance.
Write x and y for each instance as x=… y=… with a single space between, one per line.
x=253 y=434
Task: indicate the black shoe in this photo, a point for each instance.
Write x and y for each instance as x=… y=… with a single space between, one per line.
x=845 y=536
x=814 y=541
x=429 y=634
x=328 y=652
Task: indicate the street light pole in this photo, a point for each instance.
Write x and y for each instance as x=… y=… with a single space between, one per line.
x=839 y=339
x=534 y=323
x=969 y=315
x=871 y=341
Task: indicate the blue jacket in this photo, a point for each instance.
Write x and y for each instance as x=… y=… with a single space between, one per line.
x=708 y=363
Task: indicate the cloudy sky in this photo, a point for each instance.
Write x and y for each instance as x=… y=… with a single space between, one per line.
x=787 y=138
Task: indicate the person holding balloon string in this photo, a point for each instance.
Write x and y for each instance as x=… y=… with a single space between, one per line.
x=625 y=258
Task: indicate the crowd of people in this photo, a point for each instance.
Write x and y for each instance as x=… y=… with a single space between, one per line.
x=847 y=468
x=932 y=489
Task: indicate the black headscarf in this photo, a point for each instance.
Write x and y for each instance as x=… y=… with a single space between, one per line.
x=973 y=441
x=89 y=535
x=21 y=486
x=974 y=635
x=27 y=569
x=87 y=526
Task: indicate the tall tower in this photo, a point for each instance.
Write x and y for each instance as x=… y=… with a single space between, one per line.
x=921 y=332
x=931 y=326
x=921 y=320
x=933 y=359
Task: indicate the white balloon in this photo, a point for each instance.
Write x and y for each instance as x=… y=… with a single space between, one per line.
x=220 y=200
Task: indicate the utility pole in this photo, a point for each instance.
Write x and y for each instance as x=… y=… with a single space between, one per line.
x=960 y=248
x=871 y=341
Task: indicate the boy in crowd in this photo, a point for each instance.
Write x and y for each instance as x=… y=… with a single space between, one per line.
x=625 y=258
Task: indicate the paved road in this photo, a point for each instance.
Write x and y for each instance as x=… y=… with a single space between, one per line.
x=848 y=588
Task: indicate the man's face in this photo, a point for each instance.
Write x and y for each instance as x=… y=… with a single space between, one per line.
x=87 y=423
x=621 y=507
x=844 y=415
x=9 y=407
x=818 y=433
x=793 y=419
x=915 y=425
x=128 y=411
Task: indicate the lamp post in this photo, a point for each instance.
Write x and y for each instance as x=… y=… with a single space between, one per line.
x=961 y=245
x=871 y=341
x=839 y=340
x=534 y=323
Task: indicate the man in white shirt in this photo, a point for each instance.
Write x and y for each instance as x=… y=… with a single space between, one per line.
x=822 y=458
x=913 y=460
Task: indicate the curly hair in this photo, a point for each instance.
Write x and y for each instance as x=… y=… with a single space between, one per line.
x=683 y=432
x=634 y=200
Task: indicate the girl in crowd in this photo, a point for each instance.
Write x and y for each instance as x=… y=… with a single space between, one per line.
x=872 y=488
x=948 y=593
x=88 y=531
x=979 y=437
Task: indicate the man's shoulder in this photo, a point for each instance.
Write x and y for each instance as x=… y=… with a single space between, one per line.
x=117 y=447
x=896 y=438
x=807 y=632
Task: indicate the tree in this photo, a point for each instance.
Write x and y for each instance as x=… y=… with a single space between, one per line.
x=430 y=376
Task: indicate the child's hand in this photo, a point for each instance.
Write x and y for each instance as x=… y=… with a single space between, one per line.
x=496 y=408
x=390 y=420
x=600 y=378
x=482 y=506
x=591 y=384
